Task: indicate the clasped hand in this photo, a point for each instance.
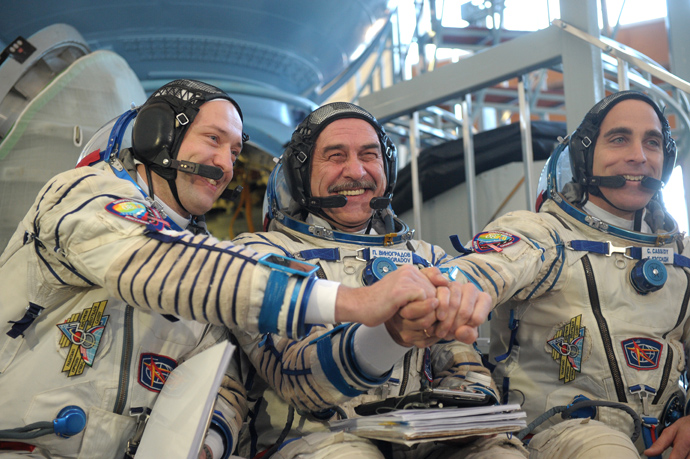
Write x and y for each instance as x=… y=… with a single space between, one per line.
x=457 y=313
x=419 y=307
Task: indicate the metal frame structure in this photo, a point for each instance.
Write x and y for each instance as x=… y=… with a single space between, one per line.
x=420 y=109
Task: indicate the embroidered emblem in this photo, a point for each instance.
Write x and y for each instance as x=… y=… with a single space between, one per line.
x=493 y=240
x=83 y=332
x=154 y=370
x=138 y=212
x=567 y=347
x=642 y=353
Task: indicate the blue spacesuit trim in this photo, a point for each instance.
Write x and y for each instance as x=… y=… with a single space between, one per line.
x=273 y=300
x=321 y=254
x=293 y=305
x=494 y=270
x=220 y=425
x=266 y=242
x=603 y=248
x=513 y=324
x=330 y=368
x=486 y=276
x=537 y=246
x=234 y=293
x=208 y=291
x=543 y=279
x=651 y=239
x=560 y=254
x=472 y=279
x=302 y=328
x=352 y=359
x=333 y=254
x=349 y=238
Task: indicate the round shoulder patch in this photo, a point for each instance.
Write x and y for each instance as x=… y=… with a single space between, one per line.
x=138 y=212
x=493 y=240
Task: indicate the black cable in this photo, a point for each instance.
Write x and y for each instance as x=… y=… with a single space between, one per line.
x=35 y=430
x=566 y=411
x=283 y=435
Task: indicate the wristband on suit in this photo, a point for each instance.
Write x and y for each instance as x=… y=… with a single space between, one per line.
x=281 y=269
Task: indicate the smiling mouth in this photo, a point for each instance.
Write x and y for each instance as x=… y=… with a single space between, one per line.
x=633 y=178
x=356 y=192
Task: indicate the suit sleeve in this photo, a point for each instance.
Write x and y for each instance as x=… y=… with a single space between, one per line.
x=528 y=264
x=80 y=242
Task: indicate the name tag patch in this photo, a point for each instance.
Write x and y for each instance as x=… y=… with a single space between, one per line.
x=664 y=255
x=399 y=257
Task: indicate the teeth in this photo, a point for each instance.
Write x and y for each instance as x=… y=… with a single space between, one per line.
x=634 y=178
x=352 y=192
x=212 y=182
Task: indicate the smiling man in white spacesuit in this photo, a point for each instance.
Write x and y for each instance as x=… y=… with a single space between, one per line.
x=328 y=202
x=103 y=292
x=593 y=292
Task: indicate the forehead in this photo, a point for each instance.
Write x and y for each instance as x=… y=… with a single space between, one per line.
x=633 y=114
x=219 y=112
x=347 y=130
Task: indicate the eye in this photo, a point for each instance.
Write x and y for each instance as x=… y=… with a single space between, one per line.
x=213 y=138
x=655 y=143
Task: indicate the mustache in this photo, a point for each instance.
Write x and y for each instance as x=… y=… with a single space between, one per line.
x=354 y=185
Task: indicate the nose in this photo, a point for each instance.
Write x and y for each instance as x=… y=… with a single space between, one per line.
x=637 y=152
x=225 y=162
x=354 y=169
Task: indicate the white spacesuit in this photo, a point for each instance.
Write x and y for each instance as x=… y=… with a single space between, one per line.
x=591 y=306
x=89 y=347
x=295 y=387
x=102 y=293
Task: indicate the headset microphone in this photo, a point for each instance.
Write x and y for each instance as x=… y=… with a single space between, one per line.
x=652 y=184
x=211 y=172
x=379 y=203
x=328 y=202
x=618 y=181
x=232 y=195
x=613 y=181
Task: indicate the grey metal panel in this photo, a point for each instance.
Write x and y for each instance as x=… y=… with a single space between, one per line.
x=583 y=75
x=677 y=22
x=511 y=59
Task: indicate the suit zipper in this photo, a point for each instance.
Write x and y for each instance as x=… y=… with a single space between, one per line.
x=125 y=363
x=603 y=330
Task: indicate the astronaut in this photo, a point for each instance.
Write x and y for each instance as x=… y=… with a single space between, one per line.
x=328 y=202
x=103 y=292
x=592 y=292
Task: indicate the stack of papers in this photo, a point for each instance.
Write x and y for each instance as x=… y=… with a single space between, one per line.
x=416 y=426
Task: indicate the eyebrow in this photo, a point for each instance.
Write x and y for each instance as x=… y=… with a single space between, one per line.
x=341 y=146
x=627 y=131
